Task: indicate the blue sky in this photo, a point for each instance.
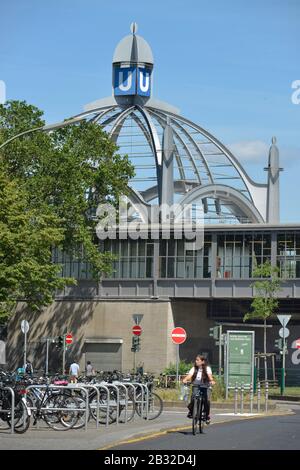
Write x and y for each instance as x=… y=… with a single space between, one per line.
x=227 y=65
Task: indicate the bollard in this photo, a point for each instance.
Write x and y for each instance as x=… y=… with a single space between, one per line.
x=242 y=398
x=266 y=396
x=258 y=397
x=235 y=398
x=251 y=398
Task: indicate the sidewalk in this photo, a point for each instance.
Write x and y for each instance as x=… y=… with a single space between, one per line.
x=171 y=419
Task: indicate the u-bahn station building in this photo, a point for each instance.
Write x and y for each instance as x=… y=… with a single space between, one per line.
x=170 y=281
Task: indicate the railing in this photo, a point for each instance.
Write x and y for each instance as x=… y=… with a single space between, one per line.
x=103 y=399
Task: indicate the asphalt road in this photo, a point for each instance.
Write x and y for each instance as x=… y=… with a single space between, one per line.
x=269 y=433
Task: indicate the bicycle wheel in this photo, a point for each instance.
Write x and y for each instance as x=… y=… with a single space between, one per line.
x=80 y=403
x=21 y=418
x=155 y=407
x=62 y=418
x=201 y=416
x=122 y=407
x=112 y=415
x=195 y=415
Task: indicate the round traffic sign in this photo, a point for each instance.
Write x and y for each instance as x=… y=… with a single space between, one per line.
x=286 y=332
x=24 y=326
x=298 y=343
x=137 y=330
x=69 y=339
x=178 y=335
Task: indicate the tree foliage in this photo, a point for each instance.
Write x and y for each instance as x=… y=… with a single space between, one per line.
x=50 y=187
x=265 y=300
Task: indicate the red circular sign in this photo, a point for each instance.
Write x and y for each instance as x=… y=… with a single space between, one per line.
x=178 y=335
x=298 y=343
x=69 y=339
x=136 y=330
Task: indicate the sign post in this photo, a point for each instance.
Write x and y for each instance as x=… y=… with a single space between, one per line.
x=25 y=328
x=239 y=359
x=178 y=336
x=136 y=331
x=284 y=319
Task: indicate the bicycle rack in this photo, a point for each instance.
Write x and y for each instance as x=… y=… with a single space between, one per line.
x=11 y=390
x=130 y=384
x=120 y=384
x=64 y=387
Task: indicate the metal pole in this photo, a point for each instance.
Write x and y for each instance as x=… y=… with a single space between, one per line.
x=226 y=365
x=25 y=347
x=235 y=397
x=251 y=398
x=266 y=396
x=220 y=351
x=283 y=362
x=242 y=398
x=64 y=355
x=47 y=356
x=258 y=397
x=177 y=362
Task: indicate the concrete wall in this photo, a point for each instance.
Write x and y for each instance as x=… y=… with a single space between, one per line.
x=112 y=319
x=94 y=320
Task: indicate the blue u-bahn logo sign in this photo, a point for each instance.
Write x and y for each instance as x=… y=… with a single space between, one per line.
x=132 y=81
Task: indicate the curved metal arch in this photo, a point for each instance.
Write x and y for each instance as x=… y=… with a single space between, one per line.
x=182 y=174
x=144 y=130
x=180 y=169
x=154 y=138
x=100 y=115
x=246 y=179
x=204 y=161
x=138 y=203
x=226 y=194
x=122 y=116
x=94 y=111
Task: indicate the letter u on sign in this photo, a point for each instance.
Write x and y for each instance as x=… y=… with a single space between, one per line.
x=125 y=81
x=144 y=81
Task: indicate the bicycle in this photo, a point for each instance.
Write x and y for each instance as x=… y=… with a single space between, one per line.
x=155 y=404
x=57 y=408
x=200 y=405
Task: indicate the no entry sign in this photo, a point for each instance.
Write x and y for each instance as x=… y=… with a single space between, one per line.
x=69 y=339
x=137 y=330
x=178 y=335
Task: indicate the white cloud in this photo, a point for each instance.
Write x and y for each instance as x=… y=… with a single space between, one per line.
x=257 y=151
x=250 y=151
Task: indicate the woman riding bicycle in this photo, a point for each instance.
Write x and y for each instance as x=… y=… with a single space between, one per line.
x=200 y=376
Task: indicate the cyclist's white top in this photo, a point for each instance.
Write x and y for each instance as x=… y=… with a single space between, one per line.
x=74 y=369
x=199 y=373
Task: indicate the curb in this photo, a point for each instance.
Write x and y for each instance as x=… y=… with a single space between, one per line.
x=153 y=434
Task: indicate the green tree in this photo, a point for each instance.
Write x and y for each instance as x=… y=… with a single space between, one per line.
x=63 y=176
x=265 y=301
x=26 y=237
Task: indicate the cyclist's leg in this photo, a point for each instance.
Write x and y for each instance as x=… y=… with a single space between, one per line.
x=190 y=407
x=191 y=404
x=206 y=395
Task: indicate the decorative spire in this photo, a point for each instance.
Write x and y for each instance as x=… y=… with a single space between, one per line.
x=133 y=28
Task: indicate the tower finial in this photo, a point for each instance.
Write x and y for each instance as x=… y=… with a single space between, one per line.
x=274 y=140
x=133 y=27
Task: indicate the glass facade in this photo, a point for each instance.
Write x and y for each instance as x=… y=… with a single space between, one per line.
x=178 y=259
x=72 y=267
x=237 y=255
x=134 y=258
x=288 y=254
